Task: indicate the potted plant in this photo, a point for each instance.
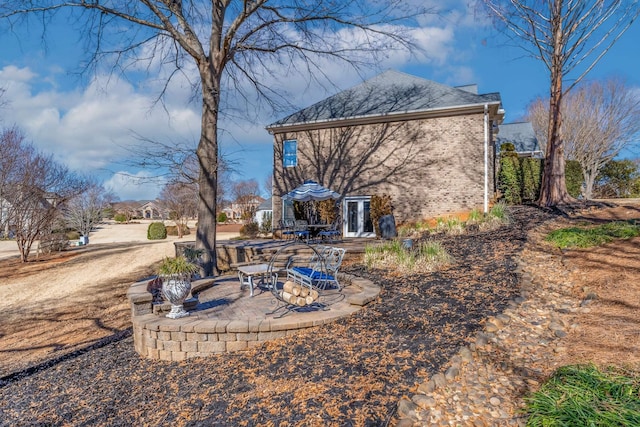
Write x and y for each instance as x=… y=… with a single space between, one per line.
x=176 y=283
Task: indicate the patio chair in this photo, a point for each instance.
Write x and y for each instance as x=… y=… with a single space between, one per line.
x=301 y=230
x=287 y=228
x=322 y=270
x=332 y=233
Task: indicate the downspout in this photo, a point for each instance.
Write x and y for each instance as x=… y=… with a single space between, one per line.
x=486 y=158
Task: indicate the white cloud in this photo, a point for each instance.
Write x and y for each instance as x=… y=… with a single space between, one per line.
x=88 y=130
x=138 y=186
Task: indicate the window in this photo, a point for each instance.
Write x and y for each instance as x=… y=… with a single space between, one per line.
x=290 y=155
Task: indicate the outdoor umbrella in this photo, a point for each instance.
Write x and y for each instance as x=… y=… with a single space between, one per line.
x=310 y=190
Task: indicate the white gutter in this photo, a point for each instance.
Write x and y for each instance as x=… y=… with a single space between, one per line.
x=486 y=158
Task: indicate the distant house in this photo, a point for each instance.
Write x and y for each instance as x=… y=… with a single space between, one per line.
x=522 y=136
x=265 y=208
x=150 y=210
x=243 y=209
x=427 y=145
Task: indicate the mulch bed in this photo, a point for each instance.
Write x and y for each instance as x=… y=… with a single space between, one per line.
x=352 y=372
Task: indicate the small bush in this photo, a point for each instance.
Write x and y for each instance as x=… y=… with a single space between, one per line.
x=172 y=230
x=222 y=217
x=54 y=242
x=249 y=230
x=156 y=231
x=120 y=217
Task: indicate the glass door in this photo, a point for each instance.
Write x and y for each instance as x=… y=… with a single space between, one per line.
x=357 y=214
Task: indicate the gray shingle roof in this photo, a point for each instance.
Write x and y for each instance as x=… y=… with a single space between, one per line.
x=519 y=134
x=391 y=92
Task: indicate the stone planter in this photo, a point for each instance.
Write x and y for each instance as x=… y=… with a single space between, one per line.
x=175 y=290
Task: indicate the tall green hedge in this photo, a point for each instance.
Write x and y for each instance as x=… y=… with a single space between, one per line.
x=573 y=177
x=531 y=170
x=510 y=180
x=519 y=179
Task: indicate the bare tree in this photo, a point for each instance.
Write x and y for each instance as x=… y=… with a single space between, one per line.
x=569 y=37
x=600 y=119
x=245 y=194
x=268 y=185
x=85 y=210
x=233 y=44
x=181 y=200
x=37 y=188
x=11 y=152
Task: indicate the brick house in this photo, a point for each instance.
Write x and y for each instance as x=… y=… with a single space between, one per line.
x=427 y=145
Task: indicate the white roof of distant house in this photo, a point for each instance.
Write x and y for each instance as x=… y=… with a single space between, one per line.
x=521 y=135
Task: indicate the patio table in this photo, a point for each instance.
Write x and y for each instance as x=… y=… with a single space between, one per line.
x=246 y=274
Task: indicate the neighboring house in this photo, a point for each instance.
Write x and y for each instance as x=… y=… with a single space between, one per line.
x=427 y=145
x=239 y=210
x=522 y=136
x=265 y=208
x=150 y=210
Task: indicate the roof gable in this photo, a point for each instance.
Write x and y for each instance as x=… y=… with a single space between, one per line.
x=391 y=92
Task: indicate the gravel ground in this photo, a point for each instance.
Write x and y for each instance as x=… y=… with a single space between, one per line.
x=352 y=372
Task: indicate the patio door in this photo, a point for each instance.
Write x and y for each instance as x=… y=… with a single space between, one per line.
x=357 y=215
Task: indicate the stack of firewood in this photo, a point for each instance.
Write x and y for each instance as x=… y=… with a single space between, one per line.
x=299 y=295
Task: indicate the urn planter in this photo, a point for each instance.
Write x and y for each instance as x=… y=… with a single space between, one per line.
x=176 y=289
x=176 y=283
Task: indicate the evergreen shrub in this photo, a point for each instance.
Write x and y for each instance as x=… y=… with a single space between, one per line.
x=157 y=231
x=573 y=177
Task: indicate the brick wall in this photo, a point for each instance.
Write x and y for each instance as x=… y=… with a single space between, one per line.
x=430 y=166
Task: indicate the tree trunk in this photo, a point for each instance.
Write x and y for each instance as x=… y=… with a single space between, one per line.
x=553 y=189
x=208 y=181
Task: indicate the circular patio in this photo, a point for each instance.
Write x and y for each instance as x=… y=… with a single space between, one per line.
x=224 y=318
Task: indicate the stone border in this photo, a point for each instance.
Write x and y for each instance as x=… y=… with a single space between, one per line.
x=157 y=337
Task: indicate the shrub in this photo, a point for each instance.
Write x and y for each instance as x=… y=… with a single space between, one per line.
x=508 y=150
x=156 y=231
x=509 y=181
x=573 y=178
x=222 y=217
x=267 y=223
x=380 y=206
x=531 y=171
x=172 y=230
x=54 y=242
x=249 y=230
x=120 y=217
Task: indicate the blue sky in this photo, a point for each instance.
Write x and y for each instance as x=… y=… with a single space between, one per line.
x=87 y=121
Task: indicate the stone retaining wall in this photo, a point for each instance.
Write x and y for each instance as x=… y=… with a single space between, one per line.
x=157 y=337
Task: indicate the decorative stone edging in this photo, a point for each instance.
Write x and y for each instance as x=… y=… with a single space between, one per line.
x=158 y=337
